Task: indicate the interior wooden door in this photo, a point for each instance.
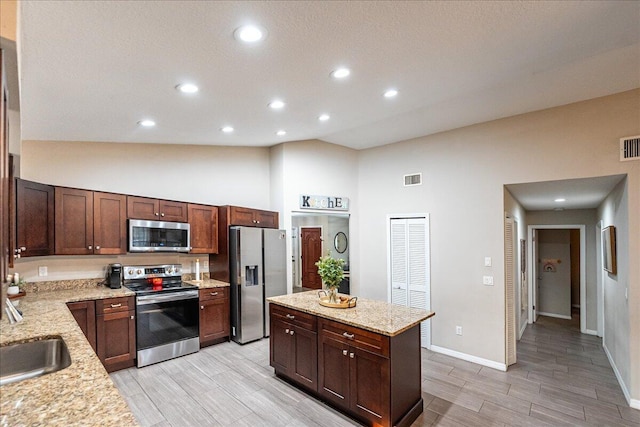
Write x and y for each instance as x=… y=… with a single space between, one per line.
x=311 y=242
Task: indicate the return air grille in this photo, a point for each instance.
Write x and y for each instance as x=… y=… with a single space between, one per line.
x=630 y=148
x=413 y=179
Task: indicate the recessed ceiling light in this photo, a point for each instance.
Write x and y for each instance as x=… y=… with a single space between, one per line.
x=276 y=104
x=147 y=123
x=324 y=117
x=390 y=93
x=249 y=34
x=281 y=133
x=187 y=88
x=560 y=200
x=340 y=73
x=227 y=129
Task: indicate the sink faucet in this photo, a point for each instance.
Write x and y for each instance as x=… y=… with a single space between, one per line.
x=12 y=312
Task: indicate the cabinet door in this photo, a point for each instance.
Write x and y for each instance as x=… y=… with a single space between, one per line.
x=204 y=229
x=266 y=219
x=116 y=339
x=85 y=314
x=214 y=320
x=74 y=221
x=143 y=208
x=280 y=345
x=109 y=223
x=34 y=218
x=304 y=368
x=242 y=216
x=173 y=211
x=333 y=370
x=369 y=386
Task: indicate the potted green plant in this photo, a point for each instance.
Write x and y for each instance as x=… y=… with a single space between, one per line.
x=331 y=272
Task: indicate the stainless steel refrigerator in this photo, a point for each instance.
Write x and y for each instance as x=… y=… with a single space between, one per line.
x=257 y=258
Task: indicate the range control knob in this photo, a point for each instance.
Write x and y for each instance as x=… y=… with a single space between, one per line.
x=131 y=272
x=139 y=271
x=170 y=270
x=177 y=270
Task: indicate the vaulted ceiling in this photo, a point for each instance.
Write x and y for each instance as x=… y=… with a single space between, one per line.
x=91 y=70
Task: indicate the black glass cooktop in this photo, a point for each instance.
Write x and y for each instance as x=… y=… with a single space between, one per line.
x=148 y=287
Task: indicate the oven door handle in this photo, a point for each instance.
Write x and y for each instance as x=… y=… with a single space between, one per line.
x=172 y=296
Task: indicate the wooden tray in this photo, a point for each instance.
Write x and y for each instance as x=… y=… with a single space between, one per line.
x=18 y=295
x=345 y=302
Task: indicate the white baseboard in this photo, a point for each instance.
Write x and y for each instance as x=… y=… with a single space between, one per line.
x=559 y=316
x=590 y=332
x=623 y=386
x=469 y=358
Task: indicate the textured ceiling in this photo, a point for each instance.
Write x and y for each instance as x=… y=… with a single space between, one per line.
x=90 y=70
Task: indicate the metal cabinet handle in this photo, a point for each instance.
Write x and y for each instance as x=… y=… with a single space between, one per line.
x=289 y=316
x=162 y=214
x=286 y=331
x=213 y=294
x=157 y=214
x=98 y=247
x=290 y=332
x=90 y=247
x=22 y=248
x=131 y=317
x=202 y=307
x=348 y=336
x=351 y=355
x=344 y=352
x=116 y=305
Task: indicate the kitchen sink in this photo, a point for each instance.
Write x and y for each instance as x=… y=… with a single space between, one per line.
x=32 y=359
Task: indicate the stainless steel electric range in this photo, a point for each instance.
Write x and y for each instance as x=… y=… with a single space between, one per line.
x=166 y=312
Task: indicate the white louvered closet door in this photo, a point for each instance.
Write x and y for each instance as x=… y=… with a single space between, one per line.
x=410 y=270
x=509 y=267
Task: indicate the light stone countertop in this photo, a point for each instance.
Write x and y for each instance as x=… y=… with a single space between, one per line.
x=375 y=316
x=82 y=394
x=207 y=283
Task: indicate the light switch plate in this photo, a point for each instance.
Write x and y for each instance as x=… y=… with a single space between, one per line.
x=487 y=280
x=43 y=271
x=487 y=261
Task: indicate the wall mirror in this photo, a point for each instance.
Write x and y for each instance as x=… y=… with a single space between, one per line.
x=340 y=242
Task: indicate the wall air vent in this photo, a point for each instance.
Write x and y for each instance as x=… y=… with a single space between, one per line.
x=413 y=179
x=630 y=148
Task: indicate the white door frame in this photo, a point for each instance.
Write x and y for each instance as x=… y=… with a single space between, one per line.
x=600 y=279
x=533 y=281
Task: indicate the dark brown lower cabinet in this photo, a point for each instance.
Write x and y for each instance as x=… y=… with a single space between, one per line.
x=85 y=314
x=374 y=378
x=116 y=332
x=214 y=316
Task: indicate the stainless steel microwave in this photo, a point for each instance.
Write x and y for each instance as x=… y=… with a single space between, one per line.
x=158 y=236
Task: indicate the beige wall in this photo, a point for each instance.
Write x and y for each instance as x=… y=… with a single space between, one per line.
x=464 y=172
x=8 y=19
x=199 y=174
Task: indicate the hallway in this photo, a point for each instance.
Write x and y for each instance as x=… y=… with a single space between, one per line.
x=562 y=377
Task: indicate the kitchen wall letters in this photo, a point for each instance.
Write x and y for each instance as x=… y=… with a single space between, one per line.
x=324 y=202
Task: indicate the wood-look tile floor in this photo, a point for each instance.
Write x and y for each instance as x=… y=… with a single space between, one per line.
x=562 y=378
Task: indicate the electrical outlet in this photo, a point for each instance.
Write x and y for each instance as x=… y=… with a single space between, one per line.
x=205 y=265
x=458 y=330
x=43 y=271
x=487 y=280
x=487 y=261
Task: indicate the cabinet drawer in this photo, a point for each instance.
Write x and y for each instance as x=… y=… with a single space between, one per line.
x=114 y=305
x=355 y=337
x=298 y=318
x=213 y=293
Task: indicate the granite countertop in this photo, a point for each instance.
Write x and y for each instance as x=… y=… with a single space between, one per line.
x=375 y=316
x=207 y=283
x=83 y=393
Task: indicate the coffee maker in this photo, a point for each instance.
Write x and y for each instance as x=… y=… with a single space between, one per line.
x=114 y=276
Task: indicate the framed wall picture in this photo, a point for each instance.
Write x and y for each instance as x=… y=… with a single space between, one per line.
x=609 y=249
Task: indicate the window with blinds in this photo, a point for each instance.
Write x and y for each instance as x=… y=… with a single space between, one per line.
x=410 y=268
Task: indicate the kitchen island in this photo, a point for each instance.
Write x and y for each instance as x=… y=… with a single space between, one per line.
x=364 y=361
